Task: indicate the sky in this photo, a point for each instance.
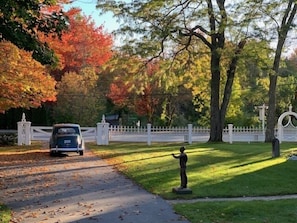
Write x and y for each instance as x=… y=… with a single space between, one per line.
x=89 y=9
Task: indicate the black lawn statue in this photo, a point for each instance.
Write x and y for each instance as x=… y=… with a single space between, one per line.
x=183 y=159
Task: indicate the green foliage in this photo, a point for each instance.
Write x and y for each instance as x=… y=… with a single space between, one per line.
x=185 y=92
x=5 y=214
x=286 y=90
x=20 y=22
x=78 y=100
x=251 y=84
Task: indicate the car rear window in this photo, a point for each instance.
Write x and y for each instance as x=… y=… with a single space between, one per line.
x=66 y=130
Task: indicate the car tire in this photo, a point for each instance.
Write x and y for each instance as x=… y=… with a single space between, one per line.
x=81 y=153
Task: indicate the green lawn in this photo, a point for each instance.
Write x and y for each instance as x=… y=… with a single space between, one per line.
x=214 y=170
x=278 y=211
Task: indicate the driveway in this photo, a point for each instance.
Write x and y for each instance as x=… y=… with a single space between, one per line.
x=43 y=189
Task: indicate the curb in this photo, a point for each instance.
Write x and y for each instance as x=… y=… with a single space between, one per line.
x=207 y=199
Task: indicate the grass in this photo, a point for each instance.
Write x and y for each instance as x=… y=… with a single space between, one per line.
x=35 y=146
x=214 y=170
x=240 y=211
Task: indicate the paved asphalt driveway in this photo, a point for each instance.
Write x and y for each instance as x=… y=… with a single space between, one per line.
x=44 y=189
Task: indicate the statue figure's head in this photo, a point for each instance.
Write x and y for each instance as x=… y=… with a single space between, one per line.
x=182 y=149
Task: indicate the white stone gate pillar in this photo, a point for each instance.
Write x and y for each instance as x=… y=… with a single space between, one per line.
x=24 y=132
x=102 y=137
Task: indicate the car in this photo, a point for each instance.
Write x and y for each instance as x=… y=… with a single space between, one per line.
x=66 y=138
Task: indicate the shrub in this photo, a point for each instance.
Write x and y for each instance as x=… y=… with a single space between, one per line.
x=8 y=139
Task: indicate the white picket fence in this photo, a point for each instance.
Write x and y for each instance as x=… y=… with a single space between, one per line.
x=182 y=134
x=151 y=134
x=103 y=133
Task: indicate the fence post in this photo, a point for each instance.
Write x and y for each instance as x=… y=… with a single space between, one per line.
x=230 y=131
x=149 y=136
x=24 y=131
x=190 y=130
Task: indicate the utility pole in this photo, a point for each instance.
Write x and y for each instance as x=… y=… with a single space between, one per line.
x=262 y=109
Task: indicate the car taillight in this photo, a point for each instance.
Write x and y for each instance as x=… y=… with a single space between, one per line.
x=79 y=141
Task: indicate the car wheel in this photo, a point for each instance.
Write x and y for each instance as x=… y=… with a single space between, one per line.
x=81 y=153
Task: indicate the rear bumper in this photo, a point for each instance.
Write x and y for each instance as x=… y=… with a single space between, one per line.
x=66 y=149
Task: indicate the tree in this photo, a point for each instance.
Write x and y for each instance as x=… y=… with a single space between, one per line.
x=82 y=51
x=167 y=28
x=82 y=45
x=78 y=100
x=21 y=21
x=135 y=92
x=283 y=21
x=24 y=82
x=252 y=83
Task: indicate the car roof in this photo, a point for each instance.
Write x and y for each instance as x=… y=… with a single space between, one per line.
x=66 y=125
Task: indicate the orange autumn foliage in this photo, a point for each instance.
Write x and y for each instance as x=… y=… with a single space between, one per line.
x=83 y=44
x=139 y=92
x=147 y=102
x=24 y=82
x=119 y=94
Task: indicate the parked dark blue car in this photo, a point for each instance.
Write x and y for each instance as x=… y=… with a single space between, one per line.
x=66 y=138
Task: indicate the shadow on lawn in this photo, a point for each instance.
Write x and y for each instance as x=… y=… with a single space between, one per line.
x=277 y=179
x=250 y=163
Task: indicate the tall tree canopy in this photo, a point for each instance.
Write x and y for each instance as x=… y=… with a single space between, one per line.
x=20 y=22
x=167 y=28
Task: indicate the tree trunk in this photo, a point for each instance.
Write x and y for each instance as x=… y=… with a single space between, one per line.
x=269 y=133
x=216 y=129
x=217 y=44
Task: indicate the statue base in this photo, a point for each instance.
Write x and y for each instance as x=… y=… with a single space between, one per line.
x=179 y=190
